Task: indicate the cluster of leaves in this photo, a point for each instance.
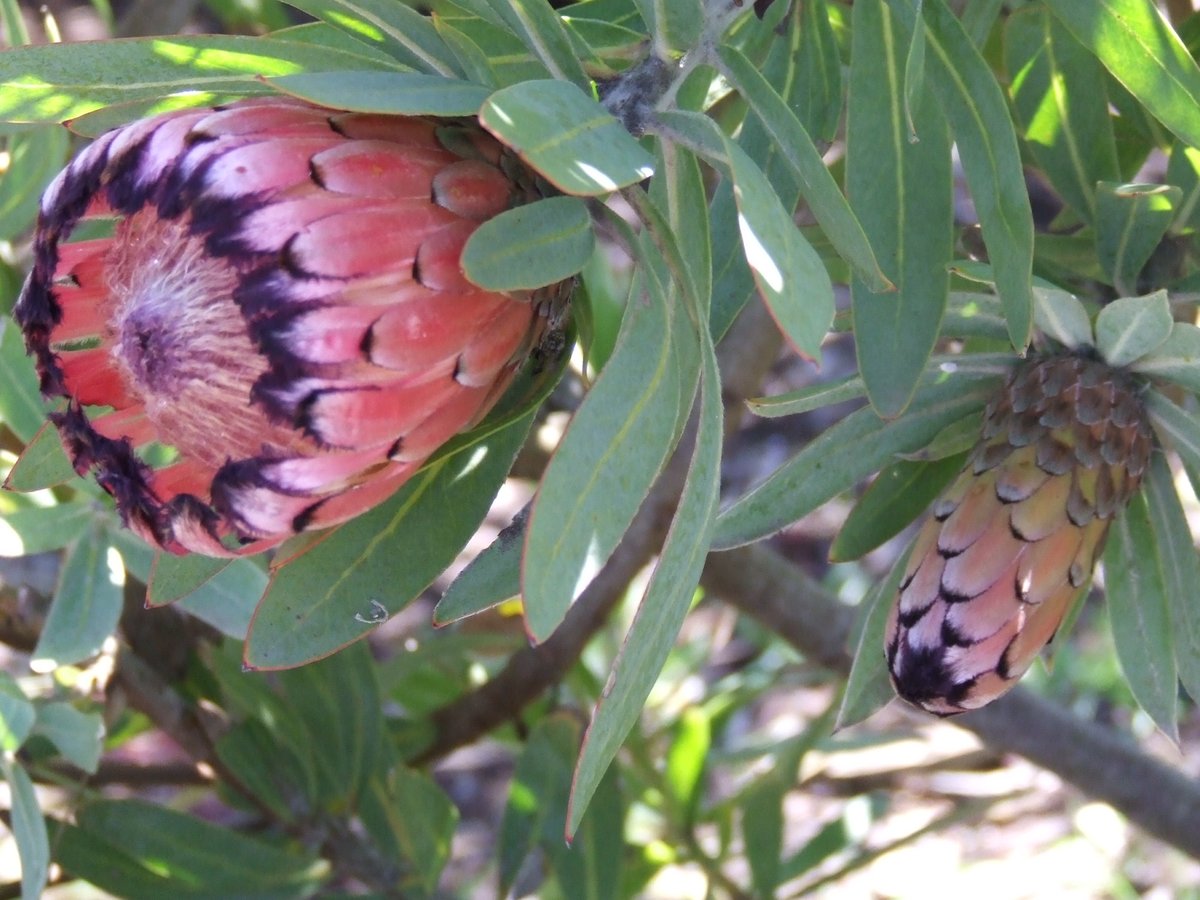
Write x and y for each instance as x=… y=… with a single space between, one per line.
x=732 y=114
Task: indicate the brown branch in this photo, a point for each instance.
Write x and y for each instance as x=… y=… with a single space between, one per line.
x=1099 y=762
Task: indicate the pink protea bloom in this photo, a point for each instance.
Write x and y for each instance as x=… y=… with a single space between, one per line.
x=281 y=303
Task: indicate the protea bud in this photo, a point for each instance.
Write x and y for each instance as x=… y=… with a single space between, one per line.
x=281 y=304
x=1012 y=543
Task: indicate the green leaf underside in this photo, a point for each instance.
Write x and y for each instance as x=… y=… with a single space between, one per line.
x=54 y=82
x=665 y=604
x=28 y=828
x=594 y=485
x=87 y=603
x=902 y=194
x=1181 y=569
x=488 y=580
x=845 y=454
x=332 y=594
x=537 y=244
x=1136 y=582
x=389 y=93
x=566 y=136
x=1131 y=327
x=1176 y=359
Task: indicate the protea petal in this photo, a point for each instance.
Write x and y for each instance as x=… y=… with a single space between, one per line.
x=281 y=302
x=1012 y=543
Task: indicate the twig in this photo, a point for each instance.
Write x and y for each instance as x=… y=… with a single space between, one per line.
x=1100 y=763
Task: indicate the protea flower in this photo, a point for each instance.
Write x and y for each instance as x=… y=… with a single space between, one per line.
x=1012 y=543
x=280 y=305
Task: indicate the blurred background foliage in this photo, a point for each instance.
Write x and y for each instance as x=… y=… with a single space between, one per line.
x=141 y=760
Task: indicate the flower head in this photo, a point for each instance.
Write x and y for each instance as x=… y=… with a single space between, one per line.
x=277 y=308
x=1012 y=543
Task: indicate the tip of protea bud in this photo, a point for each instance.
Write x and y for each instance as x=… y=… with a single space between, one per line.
x=1012 y=543
x=281 y=304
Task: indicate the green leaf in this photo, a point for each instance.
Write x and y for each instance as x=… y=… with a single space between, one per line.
x=790 y=276
x=1177 y=358
x=86 y=605
x=537 y=244
x=986 y=142
x=845 y=454
x=40 y=529
x=820 y=191
x=1131 y=327
x=1059 y=315
x=226 y=600
x=397 y=28
x=28 y=828
x=17 y=715
x=762 y=831
x=1184 y=171
x=903 y=194
x=21 y=407
x=471 y=58
x=541 y=30
x=1131 y=219
x=185 y=855
x=1059 y=98
x=337 y=700
x=357 y=575
x=415 y=821
x=1181 y=569
x=1136 y=583
x=612 y=452
x=78 y=736
x=1143 y=52
x=818 y=396
x=1177 y=428
x=491 y=578
x=390 y=93
x=174 y=577
x=507 y=60
x=686 y=763
x=869 y=686
x=566 y=136
x=675 y=25
x=901 y=493
x=54 y=82
x=34 y=158
x=665 y=604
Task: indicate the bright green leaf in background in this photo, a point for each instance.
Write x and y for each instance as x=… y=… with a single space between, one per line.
x=1059 y=98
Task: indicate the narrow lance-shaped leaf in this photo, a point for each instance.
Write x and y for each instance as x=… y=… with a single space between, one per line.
x=1181 y=569
x=55 y=82
x=665 y=603
x=28 y=828
x=817 y=185
x=538 y=25
x=1135 y=581
x=613 y=450
x=902 y=193
x=1144 y=53
x=983 y=132
x=396 y=28
x=388 y=93
x=844 y=454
